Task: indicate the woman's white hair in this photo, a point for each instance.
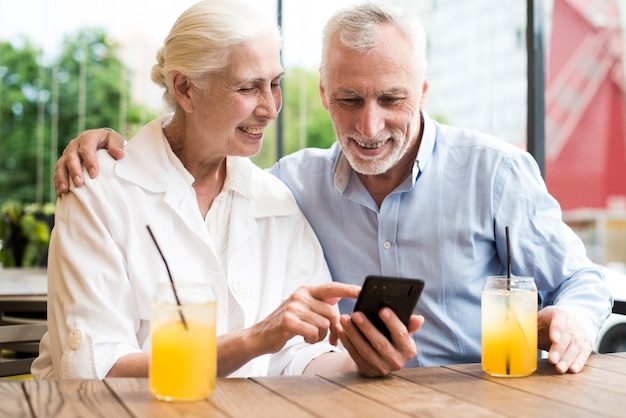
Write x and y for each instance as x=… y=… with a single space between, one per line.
x=202 y=38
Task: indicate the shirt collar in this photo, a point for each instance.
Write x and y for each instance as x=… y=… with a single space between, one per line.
x=427 y=143
x=238 y=175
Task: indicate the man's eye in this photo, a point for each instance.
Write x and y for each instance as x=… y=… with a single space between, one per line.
x=391 y=100
x=246 y=89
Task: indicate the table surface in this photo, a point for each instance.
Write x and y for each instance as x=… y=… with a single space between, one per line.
x=460 y=390
x=23 y=282
x=23 y=295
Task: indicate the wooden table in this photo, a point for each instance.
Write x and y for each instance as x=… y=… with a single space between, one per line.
x=450 y=391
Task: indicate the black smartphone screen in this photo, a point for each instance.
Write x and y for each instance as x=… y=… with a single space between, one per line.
x=398 y=293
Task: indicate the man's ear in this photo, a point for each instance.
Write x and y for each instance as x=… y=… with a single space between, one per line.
x=424 y=94
x=182 y=90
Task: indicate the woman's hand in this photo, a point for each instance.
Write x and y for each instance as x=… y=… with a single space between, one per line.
x=310 y=311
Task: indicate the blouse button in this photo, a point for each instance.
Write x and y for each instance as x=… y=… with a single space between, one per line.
x=386 y=245
x=75 y=338
x=241 y=288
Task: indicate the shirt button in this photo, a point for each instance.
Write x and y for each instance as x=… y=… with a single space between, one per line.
x=386 y=245
x=241 y=288
x=75 y=338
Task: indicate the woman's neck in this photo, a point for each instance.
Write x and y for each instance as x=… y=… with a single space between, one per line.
x=209 y=174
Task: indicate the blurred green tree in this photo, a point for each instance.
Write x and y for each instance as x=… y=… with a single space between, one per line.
x=43 y=106
x=20 y=88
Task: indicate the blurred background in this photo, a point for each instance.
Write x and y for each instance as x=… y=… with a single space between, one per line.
x=71 y=65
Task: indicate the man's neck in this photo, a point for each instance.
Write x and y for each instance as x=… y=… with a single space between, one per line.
x=381 y=185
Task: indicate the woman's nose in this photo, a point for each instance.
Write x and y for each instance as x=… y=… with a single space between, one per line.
x=270 y=104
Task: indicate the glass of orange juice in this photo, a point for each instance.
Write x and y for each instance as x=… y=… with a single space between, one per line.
x=183 y=361
x=509 y=326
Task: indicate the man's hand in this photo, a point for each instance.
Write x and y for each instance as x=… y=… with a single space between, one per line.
x=372 y=352
x=83 y=148
x=565 y=339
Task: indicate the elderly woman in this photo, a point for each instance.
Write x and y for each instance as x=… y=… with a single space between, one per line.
x=187 y=175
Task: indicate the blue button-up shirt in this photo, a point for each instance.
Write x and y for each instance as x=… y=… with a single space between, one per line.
x=446 y=224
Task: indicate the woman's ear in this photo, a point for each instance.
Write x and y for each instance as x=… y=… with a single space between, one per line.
x=182 y=90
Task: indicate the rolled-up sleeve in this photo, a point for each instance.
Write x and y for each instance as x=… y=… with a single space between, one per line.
x=92 y=315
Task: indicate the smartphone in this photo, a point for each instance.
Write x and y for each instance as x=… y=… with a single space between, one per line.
x=398 y=293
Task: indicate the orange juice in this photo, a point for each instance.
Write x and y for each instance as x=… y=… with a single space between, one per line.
x=183 y=362
x=509 y=331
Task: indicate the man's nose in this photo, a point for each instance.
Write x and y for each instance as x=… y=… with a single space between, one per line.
x=371 y=120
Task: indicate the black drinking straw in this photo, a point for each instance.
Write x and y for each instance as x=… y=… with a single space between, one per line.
x=182 y=317
x=508 y=260
x=508 y=288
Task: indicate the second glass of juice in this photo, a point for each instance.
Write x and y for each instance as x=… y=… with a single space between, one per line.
x=509 y=326
x=183 y=362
